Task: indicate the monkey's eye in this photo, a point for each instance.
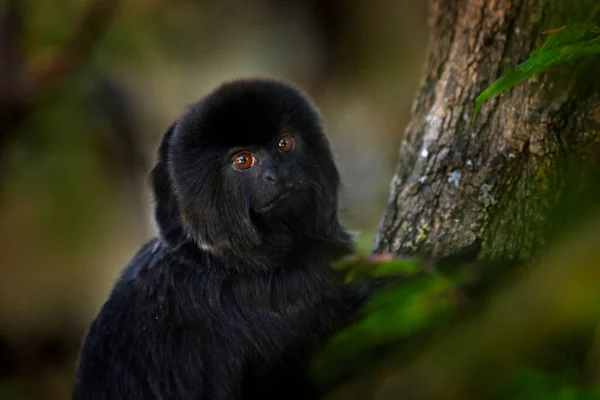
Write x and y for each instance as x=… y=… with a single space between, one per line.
x=285 y=143
x=244 y=160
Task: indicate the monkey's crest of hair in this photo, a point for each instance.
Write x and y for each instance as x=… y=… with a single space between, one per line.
x=203 y=205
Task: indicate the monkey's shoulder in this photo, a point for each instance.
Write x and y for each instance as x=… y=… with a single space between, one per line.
x=142 y=336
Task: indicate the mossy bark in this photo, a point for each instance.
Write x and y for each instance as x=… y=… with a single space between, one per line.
x=495 y=182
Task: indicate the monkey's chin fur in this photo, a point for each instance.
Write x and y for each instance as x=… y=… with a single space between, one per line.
x=271 y=204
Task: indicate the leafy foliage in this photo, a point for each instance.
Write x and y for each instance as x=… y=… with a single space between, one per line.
x=414 y=304
x=358 y=266
x=564 y=44
x=534 y=385
x=424 y=327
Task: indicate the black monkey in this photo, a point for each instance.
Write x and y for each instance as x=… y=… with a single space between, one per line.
x=236 y=293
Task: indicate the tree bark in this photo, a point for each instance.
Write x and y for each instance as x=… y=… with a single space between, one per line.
x=497 y=182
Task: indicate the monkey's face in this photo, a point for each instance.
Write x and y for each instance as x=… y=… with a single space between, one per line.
x=249 y=159
x=276 y=177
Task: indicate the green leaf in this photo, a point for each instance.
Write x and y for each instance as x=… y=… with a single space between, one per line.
x=554 y=51
x=396 y=268
x=531 y=384
x=563 y=36
x=358 y=266
x=390 y=316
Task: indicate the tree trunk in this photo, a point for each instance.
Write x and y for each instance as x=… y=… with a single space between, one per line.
x=494 y=183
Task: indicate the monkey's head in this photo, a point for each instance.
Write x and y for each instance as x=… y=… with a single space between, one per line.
x=247 y=173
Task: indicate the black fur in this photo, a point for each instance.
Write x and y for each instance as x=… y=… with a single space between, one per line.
x=236 y=293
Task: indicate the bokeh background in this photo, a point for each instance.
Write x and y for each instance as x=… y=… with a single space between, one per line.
x=74 y=200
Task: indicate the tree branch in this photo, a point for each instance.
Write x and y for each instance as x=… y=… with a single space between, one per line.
x=18 y=89
x=90 y=28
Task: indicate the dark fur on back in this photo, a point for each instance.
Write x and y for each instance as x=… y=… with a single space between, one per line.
x=236 y=293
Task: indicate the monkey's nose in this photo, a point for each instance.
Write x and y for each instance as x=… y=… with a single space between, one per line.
x=270 y=177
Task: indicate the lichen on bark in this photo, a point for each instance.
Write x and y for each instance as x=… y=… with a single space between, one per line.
x=497 y=182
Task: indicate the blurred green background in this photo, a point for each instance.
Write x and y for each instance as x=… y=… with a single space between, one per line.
x=74 y=200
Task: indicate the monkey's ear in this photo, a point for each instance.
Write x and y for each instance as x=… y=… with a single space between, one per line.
x=166 y=209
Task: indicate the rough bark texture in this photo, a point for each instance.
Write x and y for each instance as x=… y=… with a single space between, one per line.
x=496 y=182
